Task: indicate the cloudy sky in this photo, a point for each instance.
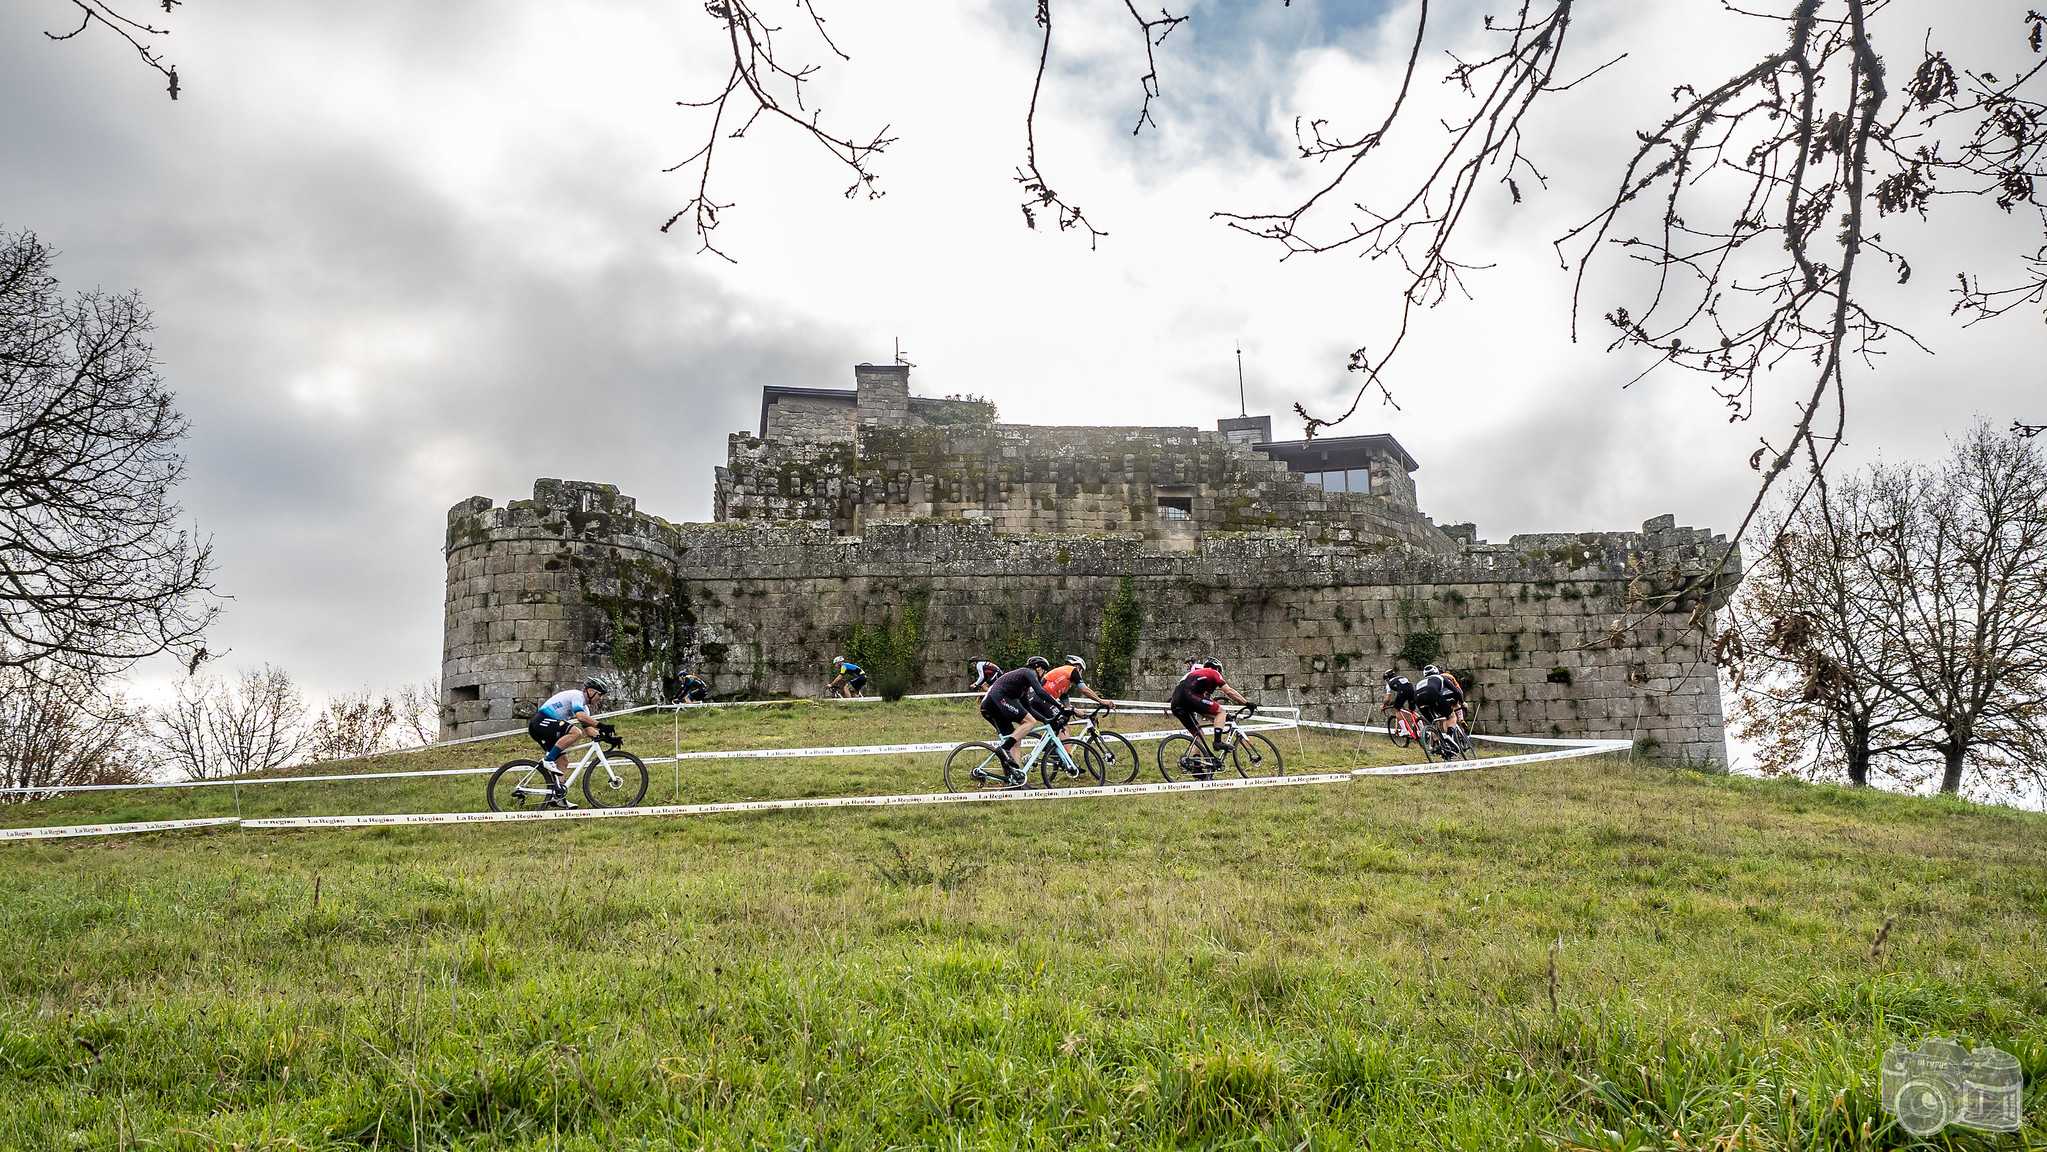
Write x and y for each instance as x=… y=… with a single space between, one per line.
x=403 y=253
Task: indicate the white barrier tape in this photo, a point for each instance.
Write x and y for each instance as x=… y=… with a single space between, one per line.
x=907 y=800
x=740 y=754
x=64 y=831
x=1587 y=748
x=1538 y=742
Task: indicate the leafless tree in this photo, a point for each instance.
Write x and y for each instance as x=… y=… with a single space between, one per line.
x=139 y=35
x=1754 y=202
x=1806 y=645
x=57 y=728
x=96 y=570
x=419 y=712
x=1963 y=551
x=351 y=726
x=213 y=730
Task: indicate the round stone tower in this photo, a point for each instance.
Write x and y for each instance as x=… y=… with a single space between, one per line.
x=545 y=592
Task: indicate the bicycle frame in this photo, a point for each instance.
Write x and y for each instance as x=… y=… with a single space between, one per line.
x=594 y=752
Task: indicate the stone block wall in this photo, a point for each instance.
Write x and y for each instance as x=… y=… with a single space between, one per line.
x=1025 y=479
x=1585 y=635
x=805 y=419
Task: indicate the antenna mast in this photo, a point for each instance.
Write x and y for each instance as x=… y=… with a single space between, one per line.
x=1242 y=408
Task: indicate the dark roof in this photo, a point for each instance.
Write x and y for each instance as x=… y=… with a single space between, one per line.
x=1339 y=446
x=773 y=392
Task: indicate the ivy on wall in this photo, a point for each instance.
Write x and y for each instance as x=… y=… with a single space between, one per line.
x=893 y=650
x=1122 y=625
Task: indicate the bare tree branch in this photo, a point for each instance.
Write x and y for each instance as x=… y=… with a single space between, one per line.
x=135 y=32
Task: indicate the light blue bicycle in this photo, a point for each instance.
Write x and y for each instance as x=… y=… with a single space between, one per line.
x=977 y=766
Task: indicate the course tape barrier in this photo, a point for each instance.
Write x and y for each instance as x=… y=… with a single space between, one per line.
x=910 y=800
x=66 y=831
x=1558 y=750
x=819 y=753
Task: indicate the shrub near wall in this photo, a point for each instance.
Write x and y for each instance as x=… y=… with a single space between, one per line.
x=892 y=650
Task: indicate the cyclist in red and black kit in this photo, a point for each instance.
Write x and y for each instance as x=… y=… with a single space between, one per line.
x=1192 y=702
x=1016 y=703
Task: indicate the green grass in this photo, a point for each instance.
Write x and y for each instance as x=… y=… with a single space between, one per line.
x=1349 y=966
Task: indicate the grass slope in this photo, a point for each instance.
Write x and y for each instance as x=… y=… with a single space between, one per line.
x=1363 y=965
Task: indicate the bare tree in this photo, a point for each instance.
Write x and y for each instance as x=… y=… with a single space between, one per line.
x=1754 y=202
x=96 y=570
x=57 y=729
x=213 y=730
x=1813 y=663
x=353 y=725
x=139 y=35
x=419 y=712
x=1964 y=552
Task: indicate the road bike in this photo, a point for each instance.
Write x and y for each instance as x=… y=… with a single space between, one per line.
x=1403 y=726
x=1452 y=743
x=1247 y=754
x=1118 y=755
x=977 y=765
x=613 y=779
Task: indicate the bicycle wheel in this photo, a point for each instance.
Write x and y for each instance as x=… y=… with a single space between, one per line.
x=1256 y=755
x=974 y=767
x=1180 y=759
x=622 y=787
x=1086 y=771
x=1119 y=758
x=516 y=786
x=1397 y=732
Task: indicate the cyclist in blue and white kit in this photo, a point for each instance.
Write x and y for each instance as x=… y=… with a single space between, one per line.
x=567 y=717
x=848 y=679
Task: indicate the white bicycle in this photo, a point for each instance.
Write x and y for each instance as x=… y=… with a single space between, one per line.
x=617 y=779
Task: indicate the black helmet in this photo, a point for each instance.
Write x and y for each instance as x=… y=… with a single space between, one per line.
x=1038 y=664
x=597 y=684
x=1210 y=663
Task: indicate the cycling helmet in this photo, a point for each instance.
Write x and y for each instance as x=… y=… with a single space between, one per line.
x=597 y=684
x=1077 y=662
x=1432 y=670
x=1039 y=664
x=839 y=660
x=1215 y=665
x=1391 y=675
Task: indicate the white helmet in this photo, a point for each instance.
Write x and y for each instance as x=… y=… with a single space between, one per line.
x=1077 y=662
x=1432 y=670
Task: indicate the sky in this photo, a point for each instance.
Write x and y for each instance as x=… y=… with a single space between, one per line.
x=401 y=254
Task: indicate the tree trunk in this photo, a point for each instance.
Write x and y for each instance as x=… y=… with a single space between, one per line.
x=1951 y=774
x=1856 y=749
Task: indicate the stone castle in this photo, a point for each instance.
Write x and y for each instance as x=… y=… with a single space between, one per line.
x=920 y=533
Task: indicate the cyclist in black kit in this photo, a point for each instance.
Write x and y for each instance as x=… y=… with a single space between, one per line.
x=1438 y=697
x=1015 y=704
x=1399 y=692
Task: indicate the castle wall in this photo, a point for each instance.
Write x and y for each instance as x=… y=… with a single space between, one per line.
x=809 y=419
x=1027 y=479
x=1560 y=635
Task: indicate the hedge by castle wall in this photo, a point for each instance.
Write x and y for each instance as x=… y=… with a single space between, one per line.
x=1563 y=635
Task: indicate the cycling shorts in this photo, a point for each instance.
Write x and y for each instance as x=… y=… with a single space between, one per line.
x=1435 y=705
x=1188 y=704
x=545 y=729
x=1006 y=714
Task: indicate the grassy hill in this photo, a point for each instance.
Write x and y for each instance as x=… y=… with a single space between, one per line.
x=1589 y=954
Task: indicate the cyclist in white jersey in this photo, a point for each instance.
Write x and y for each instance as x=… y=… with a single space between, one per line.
x=567 y=717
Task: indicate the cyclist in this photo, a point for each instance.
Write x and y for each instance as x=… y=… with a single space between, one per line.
x=984 y=672
x=1016 y=703
x=1399 y=692
x=1438 y=697
x=848 y=680
x=694 y=690
x=567 y=717
x=1192 y=702
x=1063 y=681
